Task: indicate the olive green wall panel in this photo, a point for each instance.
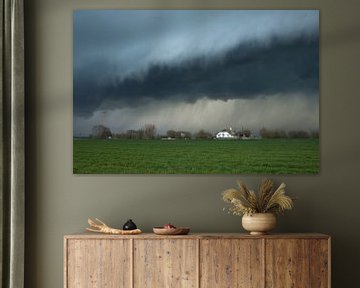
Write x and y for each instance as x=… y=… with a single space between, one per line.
x=58 y=202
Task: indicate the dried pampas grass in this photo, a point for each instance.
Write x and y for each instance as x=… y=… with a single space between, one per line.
x=245 y=201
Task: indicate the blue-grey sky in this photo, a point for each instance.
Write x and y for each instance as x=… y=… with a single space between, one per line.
x=193 y=69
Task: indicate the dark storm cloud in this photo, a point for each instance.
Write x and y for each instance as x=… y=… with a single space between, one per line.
x=243 y=72
x=128 y=58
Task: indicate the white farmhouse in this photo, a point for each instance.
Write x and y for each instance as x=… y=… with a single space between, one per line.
x=224 y=135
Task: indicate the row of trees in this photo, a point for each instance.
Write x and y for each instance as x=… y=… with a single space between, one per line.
x=103 y=132
x=146 y=132
x=294 y=134
x=149 y=132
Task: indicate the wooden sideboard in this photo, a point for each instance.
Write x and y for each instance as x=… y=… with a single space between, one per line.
x=197 y=260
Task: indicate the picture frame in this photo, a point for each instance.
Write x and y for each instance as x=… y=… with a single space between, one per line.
x=199 y=78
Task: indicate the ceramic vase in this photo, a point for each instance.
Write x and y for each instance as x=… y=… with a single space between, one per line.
x=259 y=223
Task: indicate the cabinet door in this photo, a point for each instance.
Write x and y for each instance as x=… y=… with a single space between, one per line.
x=287 y=263
x=165 y=263
x=297 y=263
x=231 y=263
x=98 y=263
x=320 y=263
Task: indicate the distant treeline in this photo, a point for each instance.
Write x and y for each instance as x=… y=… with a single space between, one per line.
x=149 y=131
x=276 y=133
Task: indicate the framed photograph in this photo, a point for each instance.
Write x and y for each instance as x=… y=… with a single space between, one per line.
x=196 y=92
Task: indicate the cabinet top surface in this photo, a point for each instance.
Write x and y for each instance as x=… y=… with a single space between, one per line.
x=87 y=235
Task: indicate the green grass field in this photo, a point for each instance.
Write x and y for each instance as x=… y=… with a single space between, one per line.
x=275 y=156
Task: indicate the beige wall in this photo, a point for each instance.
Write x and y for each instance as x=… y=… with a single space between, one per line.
x=59 y=202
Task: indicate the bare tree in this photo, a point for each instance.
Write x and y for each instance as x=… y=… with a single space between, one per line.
x=101 y=132
x=149 y=131
x=134 y=134
x=202 y=134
